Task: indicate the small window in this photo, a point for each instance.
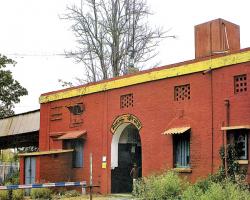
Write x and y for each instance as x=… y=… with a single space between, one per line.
x=240 y=139
x=76 y=109
x=182 y=92
x=181 y=150
x=240 y=83
x=77 y=145
x=126 y=101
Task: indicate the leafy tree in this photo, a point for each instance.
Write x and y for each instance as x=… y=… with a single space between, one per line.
x=114 y=37
x=10 y=89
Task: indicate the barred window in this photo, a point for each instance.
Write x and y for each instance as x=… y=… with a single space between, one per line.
x=240 y=83
x=181 y=150
x=240 y=139
x=182 y=92
x=126 y=101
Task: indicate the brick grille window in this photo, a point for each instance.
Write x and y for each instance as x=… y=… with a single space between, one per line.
x=126 y=101
x=182 y=92
x=240 y=83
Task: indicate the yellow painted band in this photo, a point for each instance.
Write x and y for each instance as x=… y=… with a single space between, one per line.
x=150 y=76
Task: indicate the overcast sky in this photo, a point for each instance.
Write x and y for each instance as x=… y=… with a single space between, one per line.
x=32 y=34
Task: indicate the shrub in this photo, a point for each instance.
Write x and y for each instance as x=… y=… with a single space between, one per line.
x=41 y=193
x=165 y=186
x=12 y=178
x=216 y=191
x=3 y=194
x=17 y=195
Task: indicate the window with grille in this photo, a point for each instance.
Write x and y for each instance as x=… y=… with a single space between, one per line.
x=126 y=101
x=77 y=146
x=240 y=83
x=182 y=92
x=240 y=140
x=182 y=150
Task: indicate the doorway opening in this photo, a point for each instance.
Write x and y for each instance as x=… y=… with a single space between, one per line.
x=129 y=153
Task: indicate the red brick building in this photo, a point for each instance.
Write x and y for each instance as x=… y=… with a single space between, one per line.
x=175 y=116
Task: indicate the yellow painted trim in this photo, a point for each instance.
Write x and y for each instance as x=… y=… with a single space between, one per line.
x=242 y=162
x=183 y=170
x=228 y=128
x=39 y=153
x=151 y=76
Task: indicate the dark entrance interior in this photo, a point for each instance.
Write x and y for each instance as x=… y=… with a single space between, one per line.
x=129 y=152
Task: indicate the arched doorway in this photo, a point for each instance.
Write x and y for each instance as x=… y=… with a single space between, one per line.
x=128 y=153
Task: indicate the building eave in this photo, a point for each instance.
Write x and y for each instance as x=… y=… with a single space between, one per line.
x=151 y=75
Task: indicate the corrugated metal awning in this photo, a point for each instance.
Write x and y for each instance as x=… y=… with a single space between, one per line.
x=72 y=135
x=40 y=153
x=178 y=130
x=228 y=128
x=20 y=123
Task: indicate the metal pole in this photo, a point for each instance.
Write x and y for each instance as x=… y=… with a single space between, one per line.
x=90 y=176
x=227 y=104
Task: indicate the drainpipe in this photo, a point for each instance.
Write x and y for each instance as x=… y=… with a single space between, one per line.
x=212 y=123
x=227 y=105
x=210 y=72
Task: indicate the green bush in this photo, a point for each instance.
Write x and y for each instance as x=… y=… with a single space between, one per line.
x=3 y=194
x=12 y=178
x=17 y=195
x=165 y=186
x=41 y=193
x=216 y=191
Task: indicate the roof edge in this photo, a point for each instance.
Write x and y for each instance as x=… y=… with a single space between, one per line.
x=31 y=111
x=151 y=75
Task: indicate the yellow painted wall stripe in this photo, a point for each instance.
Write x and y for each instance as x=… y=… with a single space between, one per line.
x=150 y=76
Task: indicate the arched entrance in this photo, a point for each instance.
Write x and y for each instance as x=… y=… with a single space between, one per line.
x=125 y=151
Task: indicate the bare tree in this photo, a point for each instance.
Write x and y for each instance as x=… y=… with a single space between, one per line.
x=113 y=36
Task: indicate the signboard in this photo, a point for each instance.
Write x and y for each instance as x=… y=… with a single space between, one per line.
x=126 y=118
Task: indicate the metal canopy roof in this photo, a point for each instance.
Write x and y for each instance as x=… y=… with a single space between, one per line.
x=21 y=123
x=178 y=130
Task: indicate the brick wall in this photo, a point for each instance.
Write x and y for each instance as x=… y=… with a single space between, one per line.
x=155 y=107
x=56 y=168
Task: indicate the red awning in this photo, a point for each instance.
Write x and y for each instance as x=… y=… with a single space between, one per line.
x=72 y=135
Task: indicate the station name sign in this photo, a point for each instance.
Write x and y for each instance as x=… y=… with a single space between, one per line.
x=126 y=118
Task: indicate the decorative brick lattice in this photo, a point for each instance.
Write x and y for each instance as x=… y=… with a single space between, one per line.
x=240 y=83
x=182 y=92
x=126 y=101
x=56 y=113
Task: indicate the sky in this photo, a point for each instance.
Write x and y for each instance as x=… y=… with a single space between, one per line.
x=33 y=34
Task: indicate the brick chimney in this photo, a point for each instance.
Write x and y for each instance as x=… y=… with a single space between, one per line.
x=215 y=37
